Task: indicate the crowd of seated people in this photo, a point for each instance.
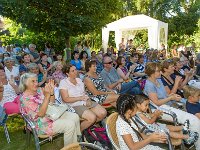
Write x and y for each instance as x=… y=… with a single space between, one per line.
x=88 y=82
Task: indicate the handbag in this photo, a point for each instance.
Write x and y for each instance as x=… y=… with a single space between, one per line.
x=55 y=111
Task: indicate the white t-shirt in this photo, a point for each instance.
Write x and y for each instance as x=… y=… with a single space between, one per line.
x=73 y=90
x=8 y=94
x=14 y=72
x=123 y=128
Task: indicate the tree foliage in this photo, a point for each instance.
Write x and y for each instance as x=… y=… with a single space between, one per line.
x=60 y=18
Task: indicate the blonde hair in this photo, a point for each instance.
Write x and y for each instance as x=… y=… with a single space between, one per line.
x=190 y=91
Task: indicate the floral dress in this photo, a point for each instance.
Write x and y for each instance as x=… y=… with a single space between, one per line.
x=99 y=84
x=30 y=105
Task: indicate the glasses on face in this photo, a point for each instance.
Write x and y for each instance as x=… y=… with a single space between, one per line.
x=109 y=62
x=8 y=62
x=169 y=60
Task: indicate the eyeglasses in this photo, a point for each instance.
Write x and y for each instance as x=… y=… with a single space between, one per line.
x=109 y=62
x=169 y=60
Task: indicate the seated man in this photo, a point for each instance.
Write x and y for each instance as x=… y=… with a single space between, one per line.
x=113 y=81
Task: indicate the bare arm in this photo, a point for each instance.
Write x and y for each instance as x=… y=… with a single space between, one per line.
x=44 y=106
x=122 y=75
x=34 y=60
x=40 y=68
x=90 y=86
x=1 y=96
x=154 y=98
x=65 y=97
x=147 y=120
x=198 y=115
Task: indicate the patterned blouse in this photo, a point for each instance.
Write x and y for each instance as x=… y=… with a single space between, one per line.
x=30 y=105
x=99 y=84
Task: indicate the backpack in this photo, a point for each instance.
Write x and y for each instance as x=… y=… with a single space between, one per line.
x=97 y=135
x=3 y=115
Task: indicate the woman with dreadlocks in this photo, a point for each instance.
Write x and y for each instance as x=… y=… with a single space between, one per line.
x=127 y=131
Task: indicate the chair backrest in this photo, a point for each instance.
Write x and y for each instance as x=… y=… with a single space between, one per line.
x=111 y=129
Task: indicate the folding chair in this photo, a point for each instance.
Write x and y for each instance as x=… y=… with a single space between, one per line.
x=111 y=130
x=30 y=127
x=148 y=129
x=3 y=124
x=82 y=145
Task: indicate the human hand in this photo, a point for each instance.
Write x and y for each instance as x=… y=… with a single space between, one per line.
x=158 y=137
x=175 y=97
x=84 y=98
x=178 y=79
x=12 y=80
x=120 y=80
x=132 y=67
x=118 y=87
x=47 y=90
x=52 y=85
x=158 y=113
x=88 y=103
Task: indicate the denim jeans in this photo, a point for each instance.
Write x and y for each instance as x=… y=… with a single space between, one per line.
x=132 y=88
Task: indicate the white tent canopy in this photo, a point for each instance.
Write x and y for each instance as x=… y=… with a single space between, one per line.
x=136 y=22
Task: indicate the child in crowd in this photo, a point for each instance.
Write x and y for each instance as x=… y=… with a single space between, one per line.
x=127 y=131
x=192 y=95
x=142 y=103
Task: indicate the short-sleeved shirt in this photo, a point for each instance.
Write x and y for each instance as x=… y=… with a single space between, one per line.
x=193 y=108
x=78 y=64
x=73 y=90
x=123 y=128
x=150 y=87
x=30 y=105
x=22 y=68
x=110 y=77
x=14 y=72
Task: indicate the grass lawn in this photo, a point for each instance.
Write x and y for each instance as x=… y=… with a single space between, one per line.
x=18 y=138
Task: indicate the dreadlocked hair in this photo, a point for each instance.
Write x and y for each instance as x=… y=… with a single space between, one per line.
x=126 y=102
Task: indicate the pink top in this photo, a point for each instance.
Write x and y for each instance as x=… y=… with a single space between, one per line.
x=30 y=106
x=73 y=90
x=58 y=75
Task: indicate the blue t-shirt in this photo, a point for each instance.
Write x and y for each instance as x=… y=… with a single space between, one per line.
x=78 y=64
x=193 y=108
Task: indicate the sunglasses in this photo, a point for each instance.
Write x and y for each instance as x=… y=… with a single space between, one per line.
x=109 y=62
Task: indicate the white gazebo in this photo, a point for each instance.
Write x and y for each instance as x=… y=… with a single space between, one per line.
x=137 y=22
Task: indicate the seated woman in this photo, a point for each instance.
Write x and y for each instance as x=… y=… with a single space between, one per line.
x=72 y=92
x=42 y=77
x=77 y=63
x=10 y=69
x=26 y=61
x=95 y=87
x=58 y=74
x=44 y=65
x=34 y=103
x=83 y=58
x=127 y=130
x=122 y=70
x=186 y=75
x=173 y=83
x=155 y=90
x=8 y=93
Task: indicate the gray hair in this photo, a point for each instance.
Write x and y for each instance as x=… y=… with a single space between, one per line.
x=23 y=80
x=31 y=66
x=7 y=59
x=56 y=63
x=32 y=45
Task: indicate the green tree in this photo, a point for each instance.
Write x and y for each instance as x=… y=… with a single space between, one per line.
x=61 y=18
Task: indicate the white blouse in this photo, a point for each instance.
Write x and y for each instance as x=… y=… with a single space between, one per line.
x=8 y=94
x=123 y=128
